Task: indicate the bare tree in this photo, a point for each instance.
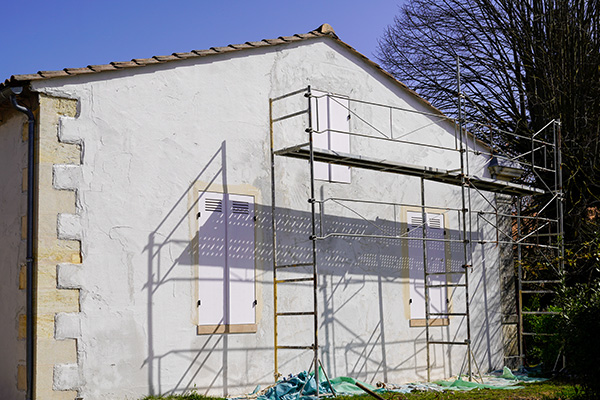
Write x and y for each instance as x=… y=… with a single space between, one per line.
x=523 y=63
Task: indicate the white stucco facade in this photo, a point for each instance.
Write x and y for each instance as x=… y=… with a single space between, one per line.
x=153 y=138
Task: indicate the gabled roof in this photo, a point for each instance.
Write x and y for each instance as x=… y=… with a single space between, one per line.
x=324 y=30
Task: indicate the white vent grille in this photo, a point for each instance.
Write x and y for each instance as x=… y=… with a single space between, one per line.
x=416 y=220
x=435 y=222
x=214 y=205
x=240 y=207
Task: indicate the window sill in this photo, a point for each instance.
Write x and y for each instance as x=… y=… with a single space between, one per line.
x=212 y=329
x=432 y=322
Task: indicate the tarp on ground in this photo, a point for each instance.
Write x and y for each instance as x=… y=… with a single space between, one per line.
x=289 y=388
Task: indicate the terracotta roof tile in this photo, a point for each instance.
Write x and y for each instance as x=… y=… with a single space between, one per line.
x=53 y=74
x=166 y=58
x=237 y=46
x=102 y=67
x=241 y=46
x=27 y=77
x=294 y=38
x=145 y=61
x=184 y=56
x=202 y=53
x=78 y=71
x=274 y=41
x=304 y=35
x=261 y=43
x=223 y=49
x=124 y=64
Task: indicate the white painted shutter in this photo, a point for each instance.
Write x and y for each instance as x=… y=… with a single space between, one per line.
x=415 y=264
x=436 y=262
x=320 y=140
x=240 y=258
x=212 y=255
x=226 y=259
x=331 y=114
x=436 y=255
x=339 y=120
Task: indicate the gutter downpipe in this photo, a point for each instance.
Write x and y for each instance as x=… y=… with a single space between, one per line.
x=29 y=255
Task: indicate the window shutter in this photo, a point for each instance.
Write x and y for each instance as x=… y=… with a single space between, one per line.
x=240 y=258
x=331 y=114
x=212 y=255
x=339 y=120
x=226 y=281
x=436 y=262
x=320 y=112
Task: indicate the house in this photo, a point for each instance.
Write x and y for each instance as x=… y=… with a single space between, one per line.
x=157 y=185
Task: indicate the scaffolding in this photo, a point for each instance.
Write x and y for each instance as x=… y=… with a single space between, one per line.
x=539 y=232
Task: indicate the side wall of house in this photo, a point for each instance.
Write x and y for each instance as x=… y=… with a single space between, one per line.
x=158 y=136
x=13 y=207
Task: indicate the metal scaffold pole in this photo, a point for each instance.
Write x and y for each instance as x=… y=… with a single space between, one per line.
x=313 y=238
x=560 y=195
x=316 y=365
x=520 y=283
x=465 y=210
x=426 y=278
x=276 y=373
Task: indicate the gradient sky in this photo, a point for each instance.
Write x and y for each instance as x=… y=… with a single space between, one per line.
x=49 y=35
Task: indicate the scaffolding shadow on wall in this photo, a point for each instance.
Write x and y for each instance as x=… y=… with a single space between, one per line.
x=296 y=132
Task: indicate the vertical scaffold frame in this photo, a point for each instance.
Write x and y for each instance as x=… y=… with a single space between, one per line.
x=515 y=238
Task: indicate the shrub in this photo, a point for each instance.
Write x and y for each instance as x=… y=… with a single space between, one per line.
x=580 y=330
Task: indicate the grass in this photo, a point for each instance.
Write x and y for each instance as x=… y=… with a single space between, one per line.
x=532 y=391
x=190 y=396
x=549 y=390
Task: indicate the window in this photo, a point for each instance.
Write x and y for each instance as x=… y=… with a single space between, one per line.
x=436 y=262
x=226 y=285
x=331 y=118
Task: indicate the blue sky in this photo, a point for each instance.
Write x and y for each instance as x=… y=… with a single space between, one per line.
x=49 y=35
